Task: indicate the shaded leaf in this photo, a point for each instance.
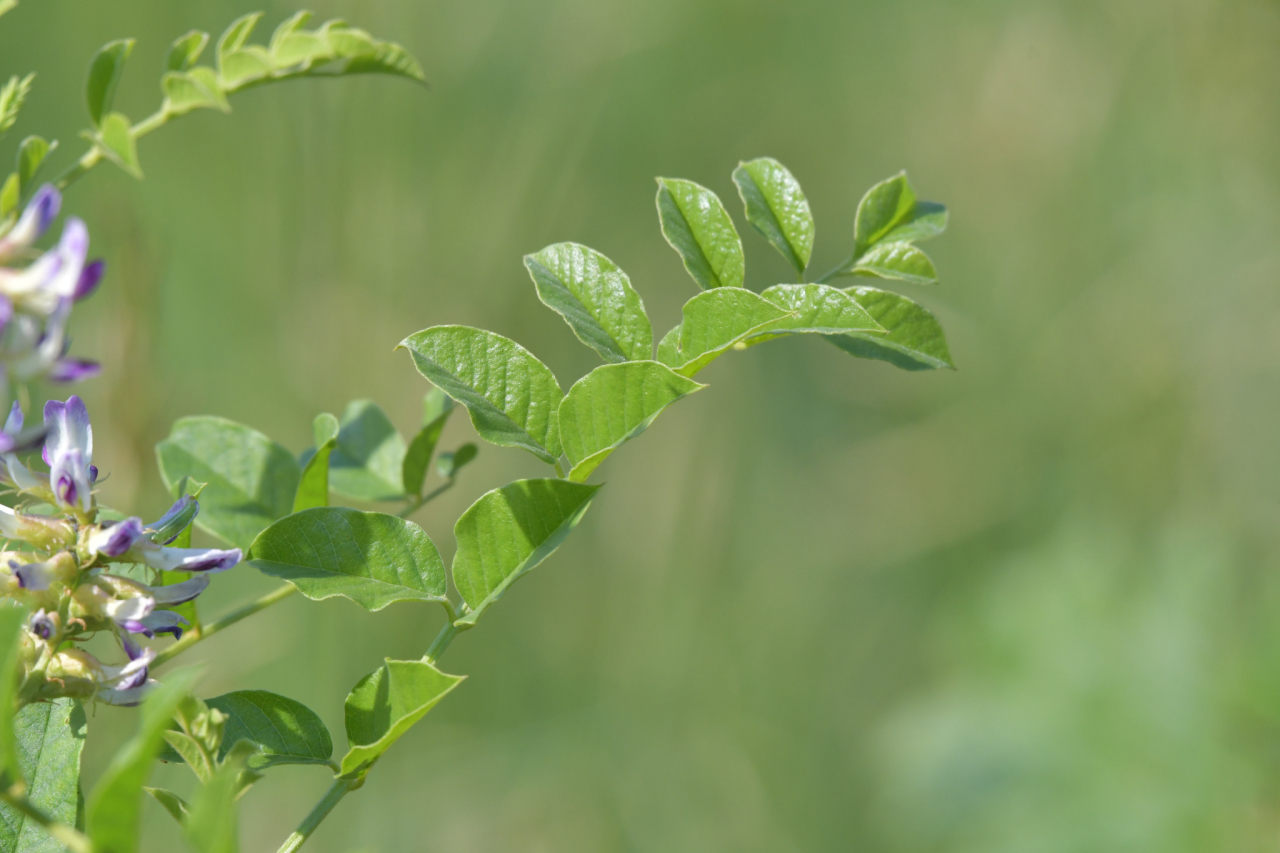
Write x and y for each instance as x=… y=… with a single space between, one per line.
x=900 y=261
x=10 y=195
x=915 y=340
x=369 y=557
x=698 y=227
x=173 y=804
x=251 y=479
x=509 y=531
x=511 y=396
x=193 y=90
x=885 y=206
x=385 y=703
x=927 y=220
x=31 y=155
x=50 y=738
x=117 y=141
x=113 y=806
x=13 y=620
x=185 y=51
x=368 y=462
x=437 y=406
x=450 y=462
x=387 y=58
x=777 y=208
x=285 y=731
x=613 y=404
x=717 y=320
x=212 y=824
x=595 y=298
x=313 y=486
x=105 y=71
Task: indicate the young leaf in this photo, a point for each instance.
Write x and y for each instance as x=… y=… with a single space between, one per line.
x=595 y=298
x=369 y=557
x=900 y=261
x=386 y=58
x=777 y=208
x=10 y=195
x=369 y=460
x=437 y=406
x=238 y=67
x=234 y=37
x=927 y=220
x=511 y=396
x=450 y=462
x=185 y=51
x=173 y=804
x=299 y=49
x=251 y=479
x=285 y=731
x=212 y=824
x=192 y=90
x=105 y=72
x=50 y=737
x=287 y=27
x=13 y=620
x=818 y=308
x=914 y=341
x=509 y=531
x=613 y=404
x=385 y=703
x=669 y=348
x=313 y=487
x=31 y=154
x=117 y=141
x=885 y=206
x=113 y=806
x=716 y=320
x=12 y=95
x=697 y=226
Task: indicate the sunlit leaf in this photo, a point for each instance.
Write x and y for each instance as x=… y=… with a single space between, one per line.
x=234 y=37
x=7 y=6
x=613 y=404
x=777 y=208
x=885 y=206
x=369 y=557
x=368 y=463
x=915 y=340
x=105 y=71
x=251 y=479
x=285 y=731
x=717 y=320
x=113 y=807
x=12 y=96
x=313 y=487
x=900 y=261
x=193 y=90
x=287 y=27
x=12 y=625
x=669 y=348
x=511 y=396
x=185 y=51
x=237 y=67
x=698 y=227
x=437 y=406
x=509 y=531
x=10 y=195
x=595 y=298
x=818 y=309
x=385 y=703
x=50 y=737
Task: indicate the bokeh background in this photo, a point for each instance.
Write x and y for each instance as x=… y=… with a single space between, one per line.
x=1031 y=605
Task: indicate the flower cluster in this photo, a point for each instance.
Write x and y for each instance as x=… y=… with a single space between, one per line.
x=79 y=575
x=36 y=299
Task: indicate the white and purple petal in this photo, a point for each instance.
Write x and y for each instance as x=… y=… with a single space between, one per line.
x=179 y=593
x=35 y=577
x=191 y=559
x=117 y=539
x=90 y=278
x=35 y=220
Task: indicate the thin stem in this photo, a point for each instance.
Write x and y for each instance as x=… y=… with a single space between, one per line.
x=835 y=271
x=418 y=503
x=193 y=637
x=559 y=470
x=339 y=789
x=441 y=642
x=65 y=835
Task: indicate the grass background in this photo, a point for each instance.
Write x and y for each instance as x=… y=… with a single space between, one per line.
x=825 y=605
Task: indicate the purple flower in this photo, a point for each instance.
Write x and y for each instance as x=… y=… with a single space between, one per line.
x=128 y=613
x=36 y=218
x=14 y=440
x=42 y=624
x=210 y=560
x=69 y=451
x=174 y=521
x=90 y=278
x=35 y=577
x=179 y=593
x=162 y=622
x=117 y=539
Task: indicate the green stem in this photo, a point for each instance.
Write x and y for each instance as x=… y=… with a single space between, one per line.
x=193 y=637
x=559 y=470
x=418 y=503
x=835 y=271
x=441 y=642
x=65 y=835
x=339 y=789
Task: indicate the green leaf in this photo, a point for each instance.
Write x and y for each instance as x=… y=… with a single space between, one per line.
x=213 y=825
x=185 y=51
x=717 y=320
x=173 y=804
x=369 y=460
x=885 y=206
x=10 y=195
x=511 y=396
x=385 y=703
x=50 y=737
x=914 y=341
x=777 y=208
x=299 y=49
x=31 y=154
x=287 y=27
x=901 y=261
x=387 y=58
x=697 y=226
x=313 y=487
x=669 y=348
x=8 y=6
x=12 y=96
x=613 y=404
x=509 y=531
x=236 y=35
x=237 y=67
x=116 y=140
x=251 y=479
x=818 y=309
x=437 y=406
x=193 y=90
x=369 y=557
x=348 y=42
x=105 y=71
x=595 y=298
x=927 y=220
x=450 y=462
x=13 y=620
x=113 y=806
x=285 y=731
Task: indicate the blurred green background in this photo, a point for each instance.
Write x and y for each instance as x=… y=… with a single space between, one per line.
x=826 y=605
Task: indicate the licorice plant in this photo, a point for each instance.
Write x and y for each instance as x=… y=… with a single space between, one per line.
x=72 y=569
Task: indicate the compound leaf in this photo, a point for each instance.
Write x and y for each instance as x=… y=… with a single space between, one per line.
x=818 y=308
